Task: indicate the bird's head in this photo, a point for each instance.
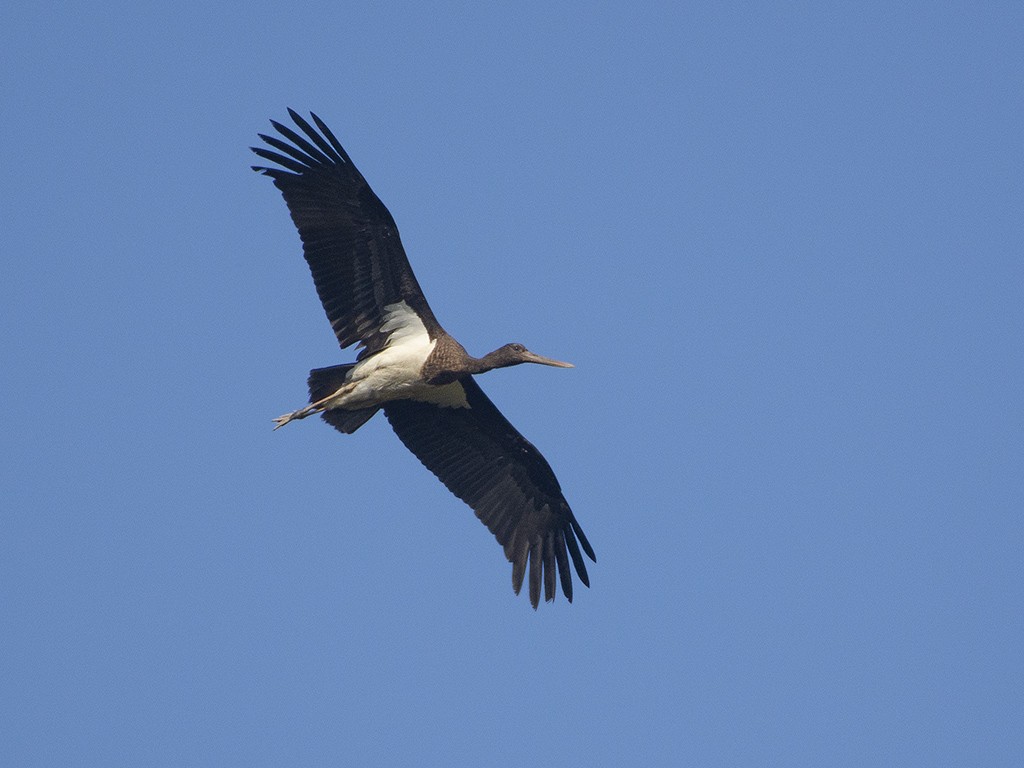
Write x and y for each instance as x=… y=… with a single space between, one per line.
x=514 y=354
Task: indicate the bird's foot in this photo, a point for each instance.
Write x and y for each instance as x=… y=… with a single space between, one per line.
x=310 y=409
x=302 y=413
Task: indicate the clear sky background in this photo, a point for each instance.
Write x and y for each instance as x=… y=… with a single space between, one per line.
x=782 y=243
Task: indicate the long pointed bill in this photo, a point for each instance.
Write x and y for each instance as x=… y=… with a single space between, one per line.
x=532 y=357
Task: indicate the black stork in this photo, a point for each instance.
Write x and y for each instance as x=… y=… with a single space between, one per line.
x=411 y=368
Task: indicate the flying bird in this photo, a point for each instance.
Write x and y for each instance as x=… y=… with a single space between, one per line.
x=410 y=368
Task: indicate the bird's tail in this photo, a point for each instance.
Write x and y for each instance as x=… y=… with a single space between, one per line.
x=323 y=382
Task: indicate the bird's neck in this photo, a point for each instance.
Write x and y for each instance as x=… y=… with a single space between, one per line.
x=488 y=362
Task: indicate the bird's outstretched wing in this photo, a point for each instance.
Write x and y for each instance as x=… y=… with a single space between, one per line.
x=348 y=237
x=484 y=461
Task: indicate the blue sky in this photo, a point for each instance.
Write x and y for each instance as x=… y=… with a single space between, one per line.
x=782 y=245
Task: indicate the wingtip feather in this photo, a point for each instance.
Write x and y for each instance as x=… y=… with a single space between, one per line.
x=518 y=570
x=577 y=560
x=583 y=539
x=549 y=567
x=536 y=571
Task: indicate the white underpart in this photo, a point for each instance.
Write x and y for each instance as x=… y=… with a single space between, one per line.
x=394 y=372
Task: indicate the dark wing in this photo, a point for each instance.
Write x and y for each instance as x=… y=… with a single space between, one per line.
x=349 y=238
x=484 y=461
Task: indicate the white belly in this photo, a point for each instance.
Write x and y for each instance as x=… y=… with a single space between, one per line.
x=394 y=372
